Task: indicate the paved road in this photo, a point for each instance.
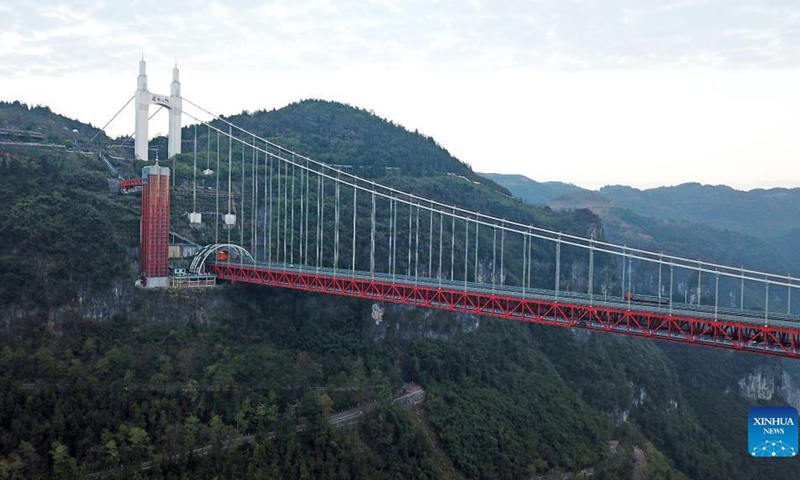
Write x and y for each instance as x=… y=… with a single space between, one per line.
x=641 y=462
x=411 y=394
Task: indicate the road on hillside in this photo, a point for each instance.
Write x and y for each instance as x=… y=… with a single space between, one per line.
x=411 y=394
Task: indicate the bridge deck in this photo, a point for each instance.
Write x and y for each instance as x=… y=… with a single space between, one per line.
x=697 y=325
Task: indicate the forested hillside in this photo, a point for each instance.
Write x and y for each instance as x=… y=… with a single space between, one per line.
x=54 y=128
x=97 y=376
x=756 y=228
x=339 y=134
x=762 y=213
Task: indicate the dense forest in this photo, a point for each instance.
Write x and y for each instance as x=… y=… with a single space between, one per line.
x=98 y=377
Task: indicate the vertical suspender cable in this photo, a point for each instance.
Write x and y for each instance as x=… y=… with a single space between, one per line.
x=699 y=281
x=278 y=215
x=216 y=226
x=416 y=248
x=308 y=200
x=303 y=174
x=394 y=240
x=430 y=243
x=291 y=229
x=280 y=208
x=441 y=234
x=716 y=296
x=322 y=224
x=194 y=171
x=230 y=171
x=285 y=211
x=280 y=211
x=630 y=272
x=393 y=251
x=660 y=280
x=266 y=173
x=530 y=261
x=741 y=293
x=558 y=265
x=766 y=300
x=389 y=244
x=244 y=216
x=254 y=203
x=466 y=251
x=453 y=247
x=524 y=261
x=208 y=153
x=372 y=239
x=319 y=216
x=477 y=226
x=494 y=256
x=591 y=273
x=336 y=231
x=271 y=213
x=410 y=214
x=671 y=281
x=624 y=268
x=502 y=253
x=355 y=215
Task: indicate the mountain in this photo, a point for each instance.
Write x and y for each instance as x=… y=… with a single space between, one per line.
x=339 y=134
x=763 y=221
x=764 y=214
x=39 y=120
x=788 y=243
x=533 y=192
x=96 y=374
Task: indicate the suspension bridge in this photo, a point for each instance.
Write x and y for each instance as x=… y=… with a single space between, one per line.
x=283 y=219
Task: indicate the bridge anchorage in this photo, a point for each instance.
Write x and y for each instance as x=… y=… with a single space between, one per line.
x=290 y=221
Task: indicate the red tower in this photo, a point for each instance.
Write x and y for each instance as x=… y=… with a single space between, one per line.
x=155 y=226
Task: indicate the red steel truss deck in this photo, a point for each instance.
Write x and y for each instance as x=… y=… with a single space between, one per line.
x=740 y=336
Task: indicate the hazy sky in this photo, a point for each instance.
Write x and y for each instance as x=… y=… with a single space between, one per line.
x=634 y=92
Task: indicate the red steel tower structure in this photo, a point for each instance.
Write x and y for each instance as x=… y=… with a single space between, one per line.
x=155 y=226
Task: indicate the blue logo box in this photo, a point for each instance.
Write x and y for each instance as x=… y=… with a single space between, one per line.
x=772 y=432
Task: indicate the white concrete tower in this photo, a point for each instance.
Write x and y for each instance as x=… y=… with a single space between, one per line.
x=173 y=102
x=142 y=113
x=176 y=107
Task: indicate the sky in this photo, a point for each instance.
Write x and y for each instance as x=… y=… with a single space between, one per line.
x=633 y=92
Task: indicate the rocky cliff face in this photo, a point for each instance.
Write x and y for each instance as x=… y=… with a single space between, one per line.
x=771 y=383
x=408 y=323
x=123 y=299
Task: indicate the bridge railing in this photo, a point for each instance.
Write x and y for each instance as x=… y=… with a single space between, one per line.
x=316 y=215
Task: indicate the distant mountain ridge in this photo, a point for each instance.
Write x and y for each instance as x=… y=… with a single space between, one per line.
x=711 y=221
x=765 y=214
x=533 y=192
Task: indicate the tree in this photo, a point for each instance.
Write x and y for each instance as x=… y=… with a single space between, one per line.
x=64 y=466
x=218 y=432
x=190 y=430
x=139 y=442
